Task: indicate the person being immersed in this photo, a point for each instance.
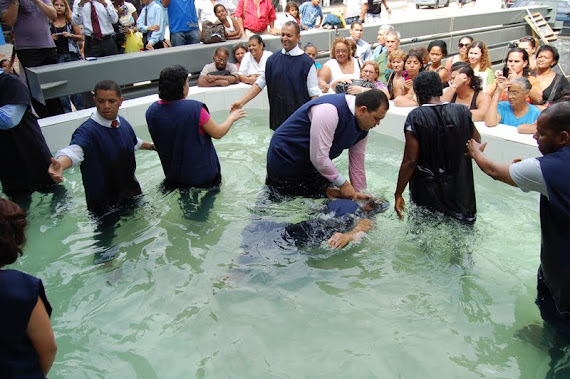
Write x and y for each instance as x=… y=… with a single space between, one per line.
x=434 y=162
x=547 y=175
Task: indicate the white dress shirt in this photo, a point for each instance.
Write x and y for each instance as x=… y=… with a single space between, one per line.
x=107 y=16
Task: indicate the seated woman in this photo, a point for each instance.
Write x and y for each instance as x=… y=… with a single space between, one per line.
x=240 y=49
x=412 y=65
x=253 y=63
x=478 y=58
x=182 y=132
x=463 y=45
x=529 y=44
x=27 y=346
x=230 y=23
x=465 y=88
x=515 y=112
x=516 y=66
x=553 y=83
x=396 y=80
x=368 y=80
x=342 y=67
x=437 y=50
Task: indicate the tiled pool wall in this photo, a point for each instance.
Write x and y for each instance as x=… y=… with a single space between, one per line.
x=504 y=145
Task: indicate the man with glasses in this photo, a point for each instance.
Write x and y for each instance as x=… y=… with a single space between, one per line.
x=220 y=72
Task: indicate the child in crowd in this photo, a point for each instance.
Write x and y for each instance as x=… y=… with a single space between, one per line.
x=292 y=12
x=437 y=50
x=239 y=51
x=231 y=26
x=311 y=50
x=8 y=68
x=309 y=11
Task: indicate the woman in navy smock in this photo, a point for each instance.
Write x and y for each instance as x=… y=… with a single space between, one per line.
x=182 y=132
x=27 y=346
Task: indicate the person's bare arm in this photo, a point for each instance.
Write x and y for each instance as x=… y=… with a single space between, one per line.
x=10 y=16
x=147 y=146
x=527 y=128
x=236 y=34
x=41 y=336
x=409 y=163
x=483 y=103
x=363 y=10
x=216 y=130
x=253 y=92
x=535 y=92
x=58 y=166
x=324 y=78
x=47 y=9
x=240 y=23
x=448 y=93
x=495 y=170
x=492 y=117
x=340 y=240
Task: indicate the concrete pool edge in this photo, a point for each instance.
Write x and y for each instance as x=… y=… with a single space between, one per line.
x=504 y=141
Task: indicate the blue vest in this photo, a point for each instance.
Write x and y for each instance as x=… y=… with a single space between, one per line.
x=286 y=91
x=18 y=296
x=188 y=157
x=108 y=169
x=555 y=226
x=288 y=153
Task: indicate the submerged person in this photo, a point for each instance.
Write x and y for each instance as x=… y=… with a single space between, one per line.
x=104 y=146
x=23 y=148
x=182 y=132
x=27 y=346
x=434 y=162
x=300 y=154
x=547 y=175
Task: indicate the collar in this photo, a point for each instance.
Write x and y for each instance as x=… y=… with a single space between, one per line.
x=95 y=116
x=351 y=102
x=294 y=52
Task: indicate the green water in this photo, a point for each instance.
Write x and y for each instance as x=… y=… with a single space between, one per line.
x=178 y=300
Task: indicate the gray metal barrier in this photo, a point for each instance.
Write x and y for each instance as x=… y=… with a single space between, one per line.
x=52 y=81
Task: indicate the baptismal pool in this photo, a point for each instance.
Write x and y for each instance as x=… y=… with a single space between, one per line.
x=410 y=300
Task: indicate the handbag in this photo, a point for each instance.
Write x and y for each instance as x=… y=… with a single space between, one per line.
x=213 y=32
x=134 y=42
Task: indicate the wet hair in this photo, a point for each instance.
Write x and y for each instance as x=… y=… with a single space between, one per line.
x=107 y=85
x=218 y=6
x=294 y=25
x=558 y=117
x=258 y=38
x=552 y=49
x=416 y=54
x=13 y=226
x=485 y=61
x=526 y=70
x=290 y=5
x=67 y=11
x=171 y=83
x=222 y=50
x=372 y=100
x=524 y=82
x=438 y=43
x=355 y=23
x=476 y=83
x=401 y=54
x=340 y=40
x=427 y=85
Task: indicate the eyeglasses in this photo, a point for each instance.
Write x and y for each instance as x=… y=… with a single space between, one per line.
x=221 y=60
x=462 y=45
x=341 y=51
x=369 y=71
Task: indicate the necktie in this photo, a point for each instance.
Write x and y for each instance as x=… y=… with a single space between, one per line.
x=95 y=23
x=114 y=124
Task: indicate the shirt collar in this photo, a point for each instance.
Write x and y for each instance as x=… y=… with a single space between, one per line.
x=95 y=116
x=294 y=52
x=351 y=102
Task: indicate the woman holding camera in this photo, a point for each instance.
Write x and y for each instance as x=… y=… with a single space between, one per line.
x=516 y=66
x=368 y=80
x=342 y=67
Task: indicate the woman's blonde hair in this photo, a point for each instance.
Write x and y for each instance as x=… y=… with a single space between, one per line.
x=396 y=54
x=67 y=12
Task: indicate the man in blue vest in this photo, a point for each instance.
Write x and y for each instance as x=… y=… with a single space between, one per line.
x=104 y=146
x=290 y=76
x=549 y=176
x=299 y=158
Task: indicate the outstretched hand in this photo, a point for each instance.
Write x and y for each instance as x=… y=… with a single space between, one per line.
x=55 y=170
x=474 y=147
x=400 y=206
x=236 y=114
x=235 y=106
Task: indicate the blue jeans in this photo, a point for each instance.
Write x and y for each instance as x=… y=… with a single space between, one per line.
x=188 y=37
x=77 y=98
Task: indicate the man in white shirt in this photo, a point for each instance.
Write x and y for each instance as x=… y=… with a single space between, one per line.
x=97 y=18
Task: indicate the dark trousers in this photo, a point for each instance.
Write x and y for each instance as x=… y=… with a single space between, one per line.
x=100 y=48
x=35 y=58
x=158 y=45
x=548 y=311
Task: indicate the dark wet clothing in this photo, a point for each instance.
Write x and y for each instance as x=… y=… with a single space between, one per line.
x=443 y=178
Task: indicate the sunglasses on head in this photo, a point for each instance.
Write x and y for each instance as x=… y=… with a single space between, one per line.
x=462 y=45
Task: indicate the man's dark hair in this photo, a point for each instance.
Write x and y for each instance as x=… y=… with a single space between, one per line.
x=426 y=86
x=293 y=24
x=372 y=100
x=439 y=43
x=558 y=117
x=107 y=85
x=171 y=83
x=355 y=23
x=222 y=50
x=13 y=226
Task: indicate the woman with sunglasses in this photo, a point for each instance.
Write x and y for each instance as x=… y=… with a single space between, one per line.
x=464 y=45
